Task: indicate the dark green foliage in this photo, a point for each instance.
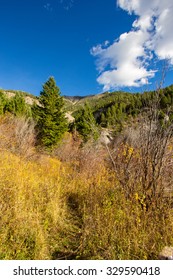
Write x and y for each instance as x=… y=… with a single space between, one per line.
x=114 y=109
x=3 y=102
x=85 y=123
x=51 y=121
x=10 y=107
x=103 y=120
x=17 y=105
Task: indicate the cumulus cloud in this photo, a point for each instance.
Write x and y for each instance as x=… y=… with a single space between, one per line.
x=126 y=62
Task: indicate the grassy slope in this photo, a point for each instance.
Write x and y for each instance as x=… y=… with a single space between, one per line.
x=72 y=205
x=50 y=211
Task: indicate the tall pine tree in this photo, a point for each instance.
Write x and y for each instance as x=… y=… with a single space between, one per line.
x=51 y=122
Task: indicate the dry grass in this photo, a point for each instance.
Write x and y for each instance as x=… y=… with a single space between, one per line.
x=33 y=214
x=78 y=208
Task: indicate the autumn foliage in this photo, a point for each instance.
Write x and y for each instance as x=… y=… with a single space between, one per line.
x=77 y=202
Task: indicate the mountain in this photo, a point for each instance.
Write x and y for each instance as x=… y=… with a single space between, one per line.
x=108 y=108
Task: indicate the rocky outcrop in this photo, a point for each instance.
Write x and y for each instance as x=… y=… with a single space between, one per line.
x=166 y=253
x=106 y=137
x=69 y=117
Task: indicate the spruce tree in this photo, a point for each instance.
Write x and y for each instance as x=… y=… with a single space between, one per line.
x=85 y=124
x=51 y=122
x=3 y=102
x=20 y=106
x=103 y=120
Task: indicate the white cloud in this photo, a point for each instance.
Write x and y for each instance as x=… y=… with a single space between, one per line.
x=126 y=62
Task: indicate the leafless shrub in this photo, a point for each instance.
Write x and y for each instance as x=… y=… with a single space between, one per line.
x=24 y=135
x=141 y=159
x=68 y=149
x=154 y=139
x=17 y=135
x=92 y=156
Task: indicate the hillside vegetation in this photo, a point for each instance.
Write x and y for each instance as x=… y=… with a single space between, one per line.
x=80 y=198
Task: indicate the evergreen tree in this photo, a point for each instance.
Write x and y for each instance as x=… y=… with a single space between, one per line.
x=85 y=124
x=103 y=120
x=10 y=106
x=50 y=115
x=20 y=106
x=109 y=117
x=3 y=102
x=17 y=106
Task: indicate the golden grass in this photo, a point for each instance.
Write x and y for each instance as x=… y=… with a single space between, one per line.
x=74 y=209
x=33 y=214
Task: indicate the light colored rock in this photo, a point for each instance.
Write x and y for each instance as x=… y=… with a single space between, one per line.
x=166 y=253
x=10 y=94
x=105 y=137
x=69 y=117
x=31 y=101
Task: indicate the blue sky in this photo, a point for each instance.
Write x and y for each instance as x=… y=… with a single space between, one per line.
x=88 y=46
